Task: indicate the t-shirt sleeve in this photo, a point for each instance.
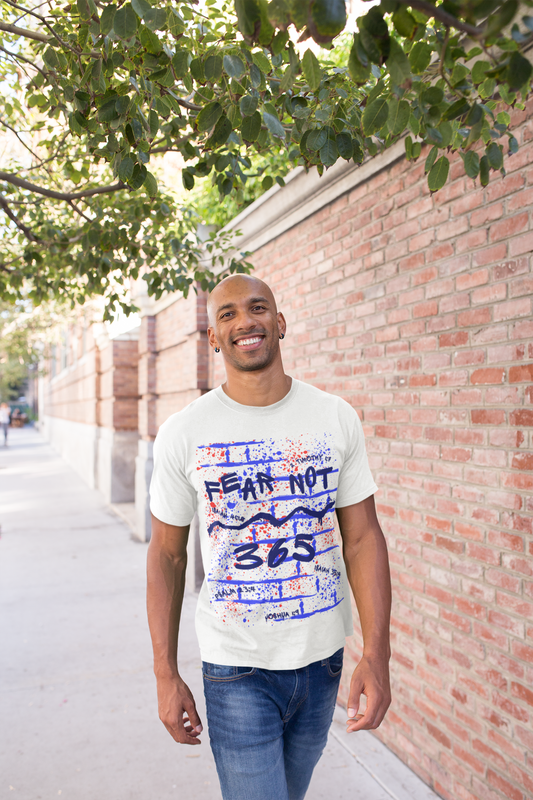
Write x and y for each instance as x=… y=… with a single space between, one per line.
x=355 y=479
x=172 y=497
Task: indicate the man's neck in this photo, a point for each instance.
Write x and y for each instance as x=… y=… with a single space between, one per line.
x=258 y=388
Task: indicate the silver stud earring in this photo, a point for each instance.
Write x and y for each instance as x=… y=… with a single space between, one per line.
x=217 y=349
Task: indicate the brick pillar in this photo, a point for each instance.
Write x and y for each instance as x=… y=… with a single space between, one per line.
x=147 y=424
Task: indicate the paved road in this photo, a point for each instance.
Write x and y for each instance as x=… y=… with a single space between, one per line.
x=77 y=694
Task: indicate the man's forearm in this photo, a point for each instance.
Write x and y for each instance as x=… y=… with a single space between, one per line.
x=165 y=588
x=367 y=567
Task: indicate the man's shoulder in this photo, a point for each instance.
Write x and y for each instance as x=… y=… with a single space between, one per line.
x=321 y=397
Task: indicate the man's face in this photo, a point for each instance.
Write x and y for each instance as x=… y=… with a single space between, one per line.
x=245 y=323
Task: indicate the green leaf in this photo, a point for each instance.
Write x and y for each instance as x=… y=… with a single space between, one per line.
x=446 y=131
x=432 y=96
x=107 y=19
x=471 y=163
x=329 y=153
x=248 y=17
x=222 y=130
x=125 y=24
x=312 y=70
x=503 y=118
x=475 y=115
x=408 y=148
x=327 y=20
x=248 y=105
x=457 y=109
x=274 y=125
x=180 y=62
x=430 y=160
x=250 y=127
x=513 y=145
x=370 y=46
x=419 y=57
x=345 y=145
x=50 y=59
x=233 y=66
x=187 y=178
x=518 y=73
x=503 y=16
x=359 y=72
x=261 y=61
x=398 y=64
x=208 y=116
x=141 y=8
x=150 y=41
x=213 y=69
x=478 y=71
x=317 y=139
x=438 y=174
x=267 y=183
x=197 y=70
x=150 y=184
x=153 y=123
x=375 y=116
x=404 y=22
x=399 y=111
x=494 y=153
x=484 y=171
x=125 y=170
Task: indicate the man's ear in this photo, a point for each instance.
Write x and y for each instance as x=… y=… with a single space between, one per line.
x=212 y=338
x=282 y=325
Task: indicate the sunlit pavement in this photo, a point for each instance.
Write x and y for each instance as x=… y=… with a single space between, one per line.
x=77 y=693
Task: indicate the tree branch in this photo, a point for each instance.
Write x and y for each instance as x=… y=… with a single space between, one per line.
x=13 y=217
x=18 y=57
x=443 y=16
x=78 y=210
x=39 y=37
x=23 y=143
x=67 y=196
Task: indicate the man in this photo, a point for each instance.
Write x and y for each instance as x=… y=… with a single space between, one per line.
x=266 y=461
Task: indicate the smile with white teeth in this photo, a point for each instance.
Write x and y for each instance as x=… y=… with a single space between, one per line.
x=245 y=342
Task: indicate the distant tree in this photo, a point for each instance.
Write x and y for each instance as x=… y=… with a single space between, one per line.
x=94 y=92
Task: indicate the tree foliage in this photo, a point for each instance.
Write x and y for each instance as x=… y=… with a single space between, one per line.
x=95 y=93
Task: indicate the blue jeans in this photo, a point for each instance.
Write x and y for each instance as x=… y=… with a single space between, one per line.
x=268 y=728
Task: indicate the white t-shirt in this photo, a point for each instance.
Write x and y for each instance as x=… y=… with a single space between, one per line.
x=265 y=482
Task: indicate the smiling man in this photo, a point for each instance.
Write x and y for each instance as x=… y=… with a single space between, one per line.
x=266 y=462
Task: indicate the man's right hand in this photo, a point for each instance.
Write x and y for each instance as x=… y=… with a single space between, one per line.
x=177 y=710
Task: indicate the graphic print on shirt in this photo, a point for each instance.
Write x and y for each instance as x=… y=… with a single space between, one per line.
x=269 y=508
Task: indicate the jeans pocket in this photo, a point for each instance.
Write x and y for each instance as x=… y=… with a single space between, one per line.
x=334 y=663
x=223 y=672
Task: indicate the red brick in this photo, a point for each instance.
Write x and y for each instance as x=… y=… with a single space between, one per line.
x=478 y=316
x=487 y=416
x=521 y=373
x=509 y=791
x=522 y=417
x=488 y=375
x=522 y=693
x=520 y=307
x=508 y=227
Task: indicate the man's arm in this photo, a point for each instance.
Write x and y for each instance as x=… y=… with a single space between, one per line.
x=167 y=560
x=367 y=566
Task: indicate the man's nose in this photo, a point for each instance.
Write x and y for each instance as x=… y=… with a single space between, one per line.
x=245 y=321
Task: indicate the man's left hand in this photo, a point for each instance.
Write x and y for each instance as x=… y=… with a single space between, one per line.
x=371 y=678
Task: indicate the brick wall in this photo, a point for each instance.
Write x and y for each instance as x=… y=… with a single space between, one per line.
x=98 y=387
x=73 y=393
x=418 y=311
x=118 y=406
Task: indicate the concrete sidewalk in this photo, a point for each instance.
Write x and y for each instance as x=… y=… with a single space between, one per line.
x=77 y=693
